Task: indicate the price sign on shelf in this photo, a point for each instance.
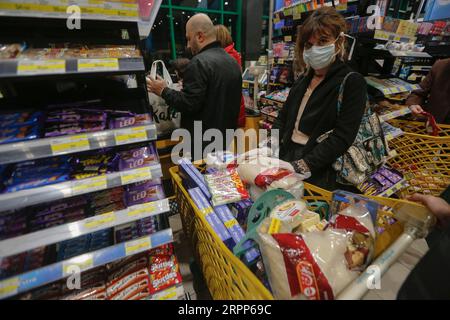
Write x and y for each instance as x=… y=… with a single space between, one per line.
x=100 y=221
x=69 y=144
x=131 y=135
x=288 y=38
x=30 y=67
x=142 y=209
x=136 y=175
x=168 y=294
x=89 y=185
x=84 y=262
x=105 y=64
x=139 y=245
x=9 y=287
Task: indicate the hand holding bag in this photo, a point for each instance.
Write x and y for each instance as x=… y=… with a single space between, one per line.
x=166 y=119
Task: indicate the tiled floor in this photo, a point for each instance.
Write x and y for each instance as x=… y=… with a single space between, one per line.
x=390 y=282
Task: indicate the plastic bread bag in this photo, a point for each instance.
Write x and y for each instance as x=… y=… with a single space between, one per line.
x=266 y=173
x=315 y=265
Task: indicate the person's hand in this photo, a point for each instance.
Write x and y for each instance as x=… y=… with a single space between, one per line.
x=416 y=110
x=438 y=206
x=156 y=86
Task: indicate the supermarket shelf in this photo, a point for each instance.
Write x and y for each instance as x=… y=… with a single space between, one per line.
x=396 y=53
x=75 y=229
x=384 y=35
x=24 y=198
x=273 y=102
x=39 y=277
x=47 y=147
x=25 y=68
x=386 y=90
x=92 y=10
x=172 y=293
x=395 y=114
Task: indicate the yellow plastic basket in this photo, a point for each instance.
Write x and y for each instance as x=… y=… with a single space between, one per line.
x=419 y=127
x=226 y=276
x=424 y=160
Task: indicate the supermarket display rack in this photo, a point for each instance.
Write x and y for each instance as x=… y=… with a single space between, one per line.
x=40 y=29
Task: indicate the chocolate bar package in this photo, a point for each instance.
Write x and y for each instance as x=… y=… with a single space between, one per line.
x=144 y=195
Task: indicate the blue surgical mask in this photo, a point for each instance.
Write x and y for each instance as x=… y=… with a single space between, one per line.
x=319 y=57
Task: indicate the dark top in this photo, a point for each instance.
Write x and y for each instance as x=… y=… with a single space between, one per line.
x=320 y=116
x=211 y=91
x=434 y=92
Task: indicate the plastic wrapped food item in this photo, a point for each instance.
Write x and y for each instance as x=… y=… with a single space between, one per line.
x=128 y=121
x=221 y=160
x=145 y=194
x=11 y=51
x=137 y=158
x=226 y=187
x=60 y=129
x=264 y=173
x=18 y=133
x=164 y=272
x=317 y=265
x=75 y=116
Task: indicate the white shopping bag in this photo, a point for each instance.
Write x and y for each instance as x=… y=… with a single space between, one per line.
x=165 y=121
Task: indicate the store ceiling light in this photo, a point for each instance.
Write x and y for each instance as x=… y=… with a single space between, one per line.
x=226 y=3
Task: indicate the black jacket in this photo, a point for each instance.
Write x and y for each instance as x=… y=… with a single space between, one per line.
x=211 y=91
x=320 y=116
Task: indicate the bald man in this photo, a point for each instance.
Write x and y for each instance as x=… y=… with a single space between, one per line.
x=212 y=83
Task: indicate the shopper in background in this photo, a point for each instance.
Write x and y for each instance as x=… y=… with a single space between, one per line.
x=212 y=83
x=180 y=66
x=430 y=279
x=226 y=41
x=434 y=93
x=311 y=107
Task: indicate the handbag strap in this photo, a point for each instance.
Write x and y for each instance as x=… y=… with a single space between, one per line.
x=341 y=92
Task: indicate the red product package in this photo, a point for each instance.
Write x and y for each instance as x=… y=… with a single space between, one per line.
x=164 y=273
x=126 y=281
x=165 y=249
x=124 y=270
x=132 y=290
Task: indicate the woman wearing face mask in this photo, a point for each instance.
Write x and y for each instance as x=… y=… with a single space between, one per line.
x=311 y=107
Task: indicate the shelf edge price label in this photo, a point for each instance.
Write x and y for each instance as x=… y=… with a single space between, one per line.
x=105 y=64
x=139 y=245
x=84 y=262
x=287 y=38
x=136 y=175
x=89 y=185
x=70 y=144
x=100 y=220
x=169 y=294
x=131 y=135
x=9 y=287
x=28 y=67
x=142 y=209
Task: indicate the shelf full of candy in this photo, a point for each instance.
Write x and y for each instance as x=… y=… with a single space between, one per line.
x=55 y=131
x=254 y=205
x=20 y=60
x=80 y=173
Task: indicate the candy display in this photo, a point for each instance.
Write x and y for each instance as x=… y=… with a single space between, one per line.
x=383 y=179
x=134 y=278
x=57 y=121
x=136 y=229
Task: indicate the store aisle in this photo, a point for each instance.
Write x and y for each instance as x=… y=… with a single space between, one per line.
x=194 y=286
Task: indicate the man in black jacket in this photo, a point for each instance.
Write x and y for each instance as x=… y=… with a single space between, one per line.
x=212 y=84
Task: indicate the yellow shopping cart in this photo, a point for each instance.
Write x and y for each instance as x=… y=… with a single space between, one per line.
x=424 y=159
x=226 y=276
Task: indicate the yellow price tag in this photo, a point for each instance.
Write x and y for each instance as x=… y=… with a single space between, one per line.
x=89 y=185
x=288 y=12
x=297 y=16
x=245 y=85
x=168 y=294
x=29 y=67
x=288 y=38
x=230 y=223
x=131 y=135
x=100 y=220
x=135 y=175
x=341 y=7
x=9 y=287
x=139 y=245
x=275 y=225
x=69 y=144
x=105 y=64
x=77 y=264
x=141 y=209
